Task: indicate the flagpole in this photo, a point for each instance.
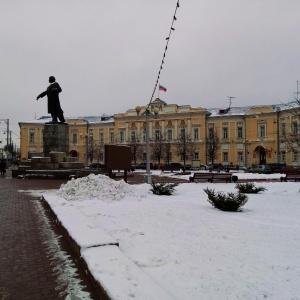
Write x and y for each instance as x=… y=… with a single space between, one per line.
x=158 y=92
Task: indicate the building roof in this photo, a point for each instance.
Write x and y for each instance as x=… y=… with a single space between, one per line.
x=229 y=111
x=90 y=119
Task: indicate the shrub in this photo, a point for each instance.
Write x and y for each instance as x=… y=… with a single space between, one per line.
x=163 y=188
x=226 y=202
x=249 y=188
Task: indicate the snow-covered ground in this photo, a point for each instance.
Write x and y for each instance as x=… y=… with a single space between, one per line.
x=188 y=248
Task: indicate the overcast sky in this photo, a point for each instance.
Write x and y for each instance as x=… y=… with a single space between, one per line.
x=106 y=54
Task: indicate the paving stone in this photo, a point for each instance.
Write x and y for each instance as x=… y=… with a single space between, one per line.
x=27 y=271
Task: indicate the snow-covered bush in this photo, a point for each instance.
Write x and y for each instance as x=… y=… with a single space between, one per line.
x=249 y=188
x=226 y=202
x=163 y=188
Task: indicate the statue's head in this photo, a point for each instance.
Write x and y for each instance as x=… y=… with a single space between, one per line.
x=51 y=79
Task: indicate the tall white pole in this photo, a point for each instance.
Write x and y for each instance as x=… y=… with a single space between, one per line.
x=148 y=174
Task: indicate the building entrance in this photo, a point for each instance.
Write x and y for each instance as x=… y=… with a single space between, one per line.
x=261 y=154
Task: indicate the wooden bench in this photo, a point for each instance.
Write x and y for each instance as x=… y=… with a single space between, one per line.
x=211 y=177
x=287 y=177
x=201 y=176
x=227 y=177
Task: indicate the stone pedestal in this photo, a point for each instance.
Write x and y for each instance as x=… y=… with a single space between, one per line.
x=56 y=138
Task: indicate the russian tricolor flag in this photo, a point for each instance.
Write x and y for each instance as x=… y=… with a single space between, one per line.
x=162 y=88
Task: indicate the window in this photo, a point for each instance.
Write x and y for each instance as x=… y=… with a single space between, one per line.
x=282 y=156
x=240 y=156
x=144 y=157
x=157 y=135
x=169 y=156
x=283 y=129
x=111 y=137
x=196 y=156
x=170 y=134
x=74 y=138
x=294 y=128
x=225 y=133
x=196 y=133
x=181 y=157
x=262 y=130
x=121 y=136
x=182 y=133
x=240 y=132
x=225 y=156
x=295 y=156
x=31 y=137
x=101 y=138
x=211 y=133
x=133 y=136
x=91 y=132
x=144 y=135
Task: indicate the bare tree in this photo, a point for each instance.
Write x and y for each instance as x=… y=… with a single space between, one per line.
x=90 y=148
x=166 y=151
x=212 y=144
x=184 y=147
x=157 y=147
x=292 y=137
x=98 y=151
x=136 y=149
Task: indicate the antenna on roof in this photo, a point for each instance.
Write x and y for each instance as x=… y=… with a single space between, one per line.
x=229 y=100
x=297 y=93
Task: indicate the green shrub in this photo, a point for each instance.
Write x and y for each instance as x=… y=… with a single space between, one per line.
x=226 y=202
x=249 y=188
x=163 y=188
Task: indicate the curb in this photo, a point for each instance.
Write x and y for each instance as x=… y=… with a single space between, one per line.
x=99 y=290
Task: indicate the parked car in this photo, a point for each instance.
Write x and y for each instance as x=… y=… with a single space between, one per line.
x=175 y=165
x=241 y=167
x=232 y=167
x=96 y=166
x=276 y=166
x=288 y=170
x=203 y=167
x=261 y=169
x=143 y=166
x=215 y=167
x=200 y=167
x=133 y=167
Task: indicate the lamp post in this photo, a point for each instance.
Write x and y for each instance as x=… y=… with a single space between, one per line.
x=86 y=139
x=147 y=113
x=7 y=132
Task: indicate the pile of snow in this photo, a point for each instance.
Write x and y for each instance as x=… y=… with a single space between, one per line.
x=100 y=187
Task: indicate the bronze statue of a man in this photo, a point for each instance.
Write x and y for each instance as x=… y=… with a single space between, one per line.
x=53 y=101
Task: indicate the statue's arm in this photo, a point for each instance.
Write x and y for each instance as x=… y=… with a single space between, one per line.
x=41 y=95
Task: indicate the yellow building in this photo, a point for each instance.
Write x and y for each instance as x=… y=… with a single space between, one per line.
x=246 y=135
x=171 y=123
x=84 y=134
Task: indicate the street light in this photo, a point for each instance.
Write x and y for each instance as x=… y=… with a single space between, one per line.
x=147 y=113
x=86 y=138
x=7 y=133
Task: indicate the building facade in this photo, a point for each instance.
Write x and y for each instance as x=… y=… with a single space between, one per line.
x=239 y=135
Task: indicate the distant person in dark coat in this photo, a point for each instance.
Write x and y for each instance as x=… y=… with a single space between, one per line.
x=3 y=167
x=53 y=101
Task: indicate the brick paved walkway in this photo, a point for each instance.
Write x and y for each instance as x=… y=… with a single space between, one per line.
x=32 y=256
